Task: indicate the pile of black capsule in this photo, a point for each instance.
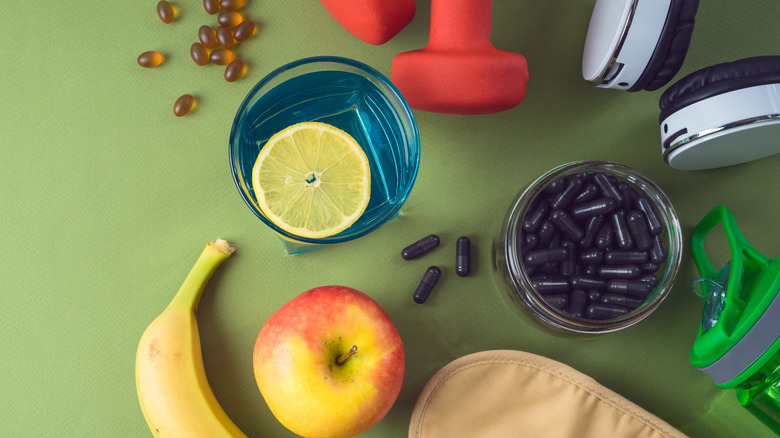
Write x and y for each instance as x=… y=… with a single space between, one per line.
x=591 y=245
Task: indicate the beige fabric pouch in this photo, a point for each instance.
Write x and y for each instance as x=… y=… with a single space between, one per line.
x=506 y=393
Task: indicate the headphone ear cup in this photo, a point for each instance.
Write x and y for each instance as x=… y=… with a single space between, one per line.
x=669 y=53
x=718 y=79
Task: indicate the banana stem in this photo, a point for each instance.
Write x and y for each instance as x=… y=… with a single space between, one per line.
x=190 y=291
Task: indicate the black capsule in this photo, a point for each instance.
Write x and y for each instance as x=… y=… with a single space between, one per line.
x=628 y=272
x=630 y=287
x=559 y=301
x=555 y=241
x=463 y=256
x=618 y=257
x=540 y=257
x=650 y=279
x=556 y=186
x=426 y=285
x=607 y=187
x=622 y=300
x=594 y=208
x=621 y=230
x=529 y=242
x=551 y=285
x=640 y=233
x=535 y=217
x=654 y=224
x=588 y=193
x=578 y=300
x=587 y=283
x=657 y=251
x=605 y=236
x=605 y=311
x=591 y=229
x=649 y=267
x=568 y=266
x=629 y=195
x=592 y=257
x=420 y=247
x=567 y=225
x=545 y=234
x=594 y=296
x=590 y=270
x=563 y=199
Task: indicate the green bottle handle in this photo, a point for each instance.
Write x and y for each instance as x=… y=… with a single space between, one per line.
x=742 y=252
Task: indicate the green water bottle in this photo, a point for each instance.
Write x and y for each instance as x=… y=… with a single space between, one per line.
x=738 y=344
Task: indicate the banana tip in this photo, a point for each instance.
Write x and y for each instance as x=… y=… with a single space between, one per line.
x=223 y=246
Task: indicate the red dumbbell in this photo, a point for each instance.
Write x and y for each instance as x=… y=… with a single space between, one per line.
x=459 y=71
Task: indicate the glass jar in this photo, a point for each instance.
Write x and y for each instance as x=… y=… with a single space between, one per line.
x=513 y=277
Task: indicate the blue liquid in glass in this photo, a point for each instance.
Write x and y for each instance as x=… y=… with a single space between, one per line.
x=350 y=102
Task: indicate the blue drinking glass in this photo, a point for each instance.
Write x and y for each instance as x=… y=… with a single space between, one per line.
x=350 y=96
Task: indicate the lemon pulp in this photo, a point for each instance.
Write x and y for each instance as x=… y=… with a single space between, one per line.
x=312 y=180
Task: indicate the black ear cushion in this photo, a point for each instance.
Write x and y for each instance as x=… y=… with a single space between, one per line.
x=719 y=79
x=672 y=46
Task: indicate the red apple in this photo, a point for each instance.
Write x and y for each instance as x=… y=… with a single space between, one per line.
x=329 y=363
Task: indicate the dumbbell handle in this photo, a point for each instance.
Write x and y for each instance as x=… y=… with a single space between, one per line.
x=460 y=24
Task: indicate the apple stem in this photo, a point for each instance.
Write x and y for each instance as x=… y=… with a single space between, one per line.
x=343 y=358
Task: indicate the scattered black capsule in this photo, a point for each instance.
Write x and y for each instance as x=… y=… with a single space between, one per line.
x=628 y=272
x=657 y=251
x=567 y=225
x=563 y=199
x=605 y=311
x=578 y=300
x=588 y=193
x=463 y=256
x=591 y=229
x=629 y=287
x=621 y=230
x=559 y=301
x=535 y=218
x=551 y=285
x=420 y=247
x=587 y=283
x=594 y=208
x=607 y=187
x=645 y=205
x=569 y=263
x=605 y=236
x=619 y=257
x=592 y=257
x=640 y=233
x=426 y=285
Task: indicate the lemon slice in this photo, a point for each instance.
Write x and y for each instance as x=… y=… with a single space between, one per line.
x=312 y=180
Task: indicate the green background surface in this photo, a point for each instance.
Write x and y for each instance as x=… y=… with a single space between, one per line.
x=107 y=200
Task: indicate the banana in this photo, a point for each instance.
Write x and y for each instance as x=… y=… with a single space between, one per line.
x=175 y=395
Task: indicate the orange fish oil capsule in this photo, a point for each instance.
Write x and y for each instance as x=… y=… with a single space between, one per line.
x=231 y=5
x=244 y=30
x=199 y=54
x=230 y=19
x=221 y=57
x=225 y=37
x=211 y=6
x=183 y=105
x=207 y=37
x=150 y=59
x=165 y=11
x=234 y=70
